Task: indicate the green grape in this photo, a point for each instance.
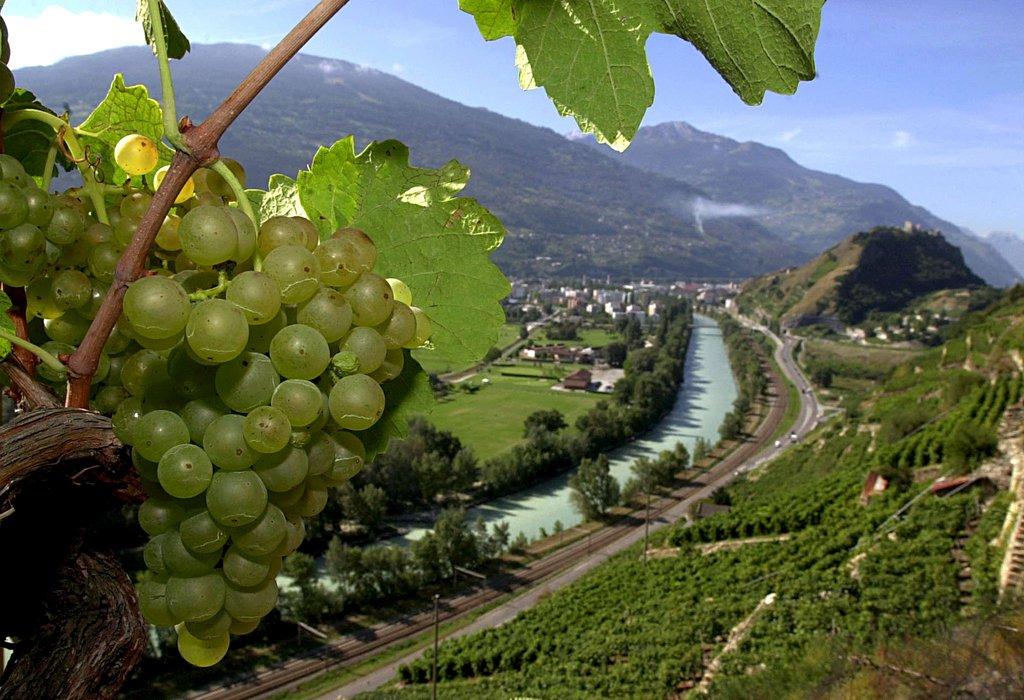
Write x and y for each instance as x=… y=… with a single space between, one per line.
x=198 y=414
x=216 y=184
x=246 y=570
x=245 y=231
x=55 y=348
x=143 y=370
x=134 y=205
x=328 y=312
x=237 y=498
x=261 y=336
x=349 y=457
x=102 y=367
x=217 y=330
x=282 y=470
x=157 y=432
x=39 y=299
x=65 y=226
x=285 y=499
x=196 y=598
x=202 y=653
x=267 y=429
x=370 y=298
x=97 y=294
x=246 y=382
x=153 y=555
x=181 y=561
x=197 y=280
x=400 y=291
x=103 y=261
x=125 y=418
x=153 y=603
x=157 y=307
x=108 y=398
x=296 y=533
x=10 y=167
x=312 y=503
x=356 y=402
x=186 y=191
x=309 y=229
x=191 y=379
x=423 y=329
x=182 y=262
x=361 y=253
x=23 y=247
x=200 y=533
x=167 y=237
x=213 y=629
x=77 y=254
x=263 y=536
x=278 y=231
x=185 y=471
x=114 y=373
x=208 y=235
x=320 y=453
x=136 y=154
x=299 y=352
x=391 y=367
x=257 y=295
x=240 y=627
x=125 y=230
x=13 y=206
x=147 y=469
x=69 y=329
x=224 y=442
x=332 y=255
x=296 y=272
x=250 y=603
x=368 y=347
x=400 y=327
x=160 y=515
x=11 y=277
x=300 y=400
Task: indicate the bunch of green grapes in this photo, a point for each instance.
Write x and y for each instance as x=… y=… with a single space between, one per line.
x=6 y=77
x=241 y=371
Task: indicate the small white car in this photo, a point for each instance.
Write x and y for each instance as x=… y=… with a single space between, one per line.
x=778 y=443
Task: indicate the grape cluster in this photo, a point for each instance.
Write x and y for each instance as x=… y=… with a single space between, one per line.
x=6 y=76
x=240 y=372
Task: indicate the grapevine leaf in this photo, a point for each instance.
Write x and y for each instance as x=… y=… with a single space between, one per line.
x=29 y=140
x=438 y=243
x=125 y=110
x=281 y=198
x=176 y=41
x=7 y=324
x=590 y=56
x=406 y=395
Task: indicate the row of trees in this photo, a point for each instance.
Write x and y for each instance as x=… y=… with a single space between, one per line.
x=747 y=355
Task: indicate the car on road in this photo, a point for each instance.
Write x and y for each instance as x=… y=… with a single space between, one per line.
x=778 y=443
x=792 y=437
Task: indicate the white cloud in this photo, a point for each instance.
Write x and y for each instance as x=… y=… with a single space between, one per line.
x=902 y=139
x=397 y=68
x=57 y=33
x=788 y=136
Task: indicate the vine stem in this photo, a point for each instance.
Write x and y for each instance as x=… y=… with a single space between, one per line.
x=222 y=284
x=48 y=359
x=170 y=111
x=51 y=161
x=201 y=143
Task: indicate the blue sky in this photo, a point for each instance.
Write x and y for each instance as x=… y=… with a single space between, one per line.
x=924 y=95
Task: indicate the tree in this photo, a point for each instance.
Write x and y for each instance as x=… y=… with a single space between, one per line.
x=550 y=419
x=309 y=601
x=367 y=506
x=822 y=375
x=615 y=353
x=594 y=489
x=77 y=630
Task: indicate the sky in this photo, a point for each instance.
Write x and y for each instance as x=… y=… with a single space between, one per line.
x=926 y=96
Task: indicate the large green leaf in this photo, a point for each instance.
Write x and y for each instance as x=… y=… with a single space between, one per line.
x=590 y=56
x=281 y=198
x=438 y=243
x=405 y=396
x=176 y=41
x=125 y=110
x=8 y=325
x=29 y=140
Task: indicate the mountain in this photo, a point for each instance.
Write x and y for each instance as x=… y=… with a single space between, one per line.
x=879 y=270
x=570 y=209
x=809 y=208
x=1010 y=246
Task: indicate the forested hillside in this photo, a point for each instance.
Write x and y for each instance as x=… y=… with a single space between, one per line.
x=831 y=578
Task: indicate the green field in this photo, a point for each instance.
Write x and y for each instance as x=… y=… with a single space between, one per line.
x=491 y=420
x=588 y=337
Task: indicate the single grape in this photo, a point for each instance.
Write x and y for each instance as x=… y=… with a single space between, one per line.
x=126 y=418
x=217 y=330
x=280 y=231
x=240 y=627
x=97 y=294
x=167 y=237
x=237 y=498
x=356 y=402
x=250 y=603
x=208 y=235
x=185 y=471
x=108 y=398
x=143 y=370
x=333 y=255
x=69 y=328
x=200 y=533
x=187 y=190
x=13 y=206
x=153 y=555
x=246 y=382
x=218 y=185
x=160 y=515
x=400 y=291
x=157 y=432
x=224 y=442
x=312 y=503
x=391 y=367
x=257 y=295
x=180 y=561
x=367 y=345
x=39 y=299
x=400 y=328
x=283 y=470
x=261 y=336
x=361 y=251
x=299 y=352
x=157 y=307
x=296 y=272
x=14 y=278
x=423 y=329
x=124 y=231
x=196 y=598
x=328 y=312
x=65 y=226
x=320 y=453
x=286 y=499
x=300 y=400
x=134 y=205
x=262 y=537
x=40 y=206
x=370 y=297
x=245 y=231
x=246 y=571
x=136 y=154
x=23 y=247
x=309 y=228
x=349 y=457
x=267 y=429
x=103 y=261
x=211 y=630
x=192 y=379
x=153 y=603
x=198 y=414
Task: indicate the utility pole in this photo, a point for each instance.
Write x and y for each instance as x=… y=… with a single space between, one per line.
x=433 y=670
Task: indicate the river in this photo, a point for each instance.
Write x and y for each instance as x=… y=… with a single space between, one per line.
x=706 y=395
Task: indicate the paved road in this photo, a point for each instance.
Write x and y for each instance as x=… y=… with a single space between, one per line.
x=810 y=414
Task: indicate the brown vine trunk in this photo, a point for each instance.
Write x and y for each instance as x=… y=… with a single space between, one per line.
x=64 y=598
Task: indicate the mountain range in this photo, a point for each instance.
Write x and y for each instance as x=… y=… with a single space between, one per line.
x=570 y=208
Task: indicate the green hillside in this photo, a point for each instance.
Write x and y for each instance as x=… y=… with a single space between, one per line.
x=848 y=580
x=881 y=270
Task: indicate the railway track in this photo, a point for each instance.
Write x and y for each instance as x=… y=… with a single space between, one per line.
x=360 y=646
